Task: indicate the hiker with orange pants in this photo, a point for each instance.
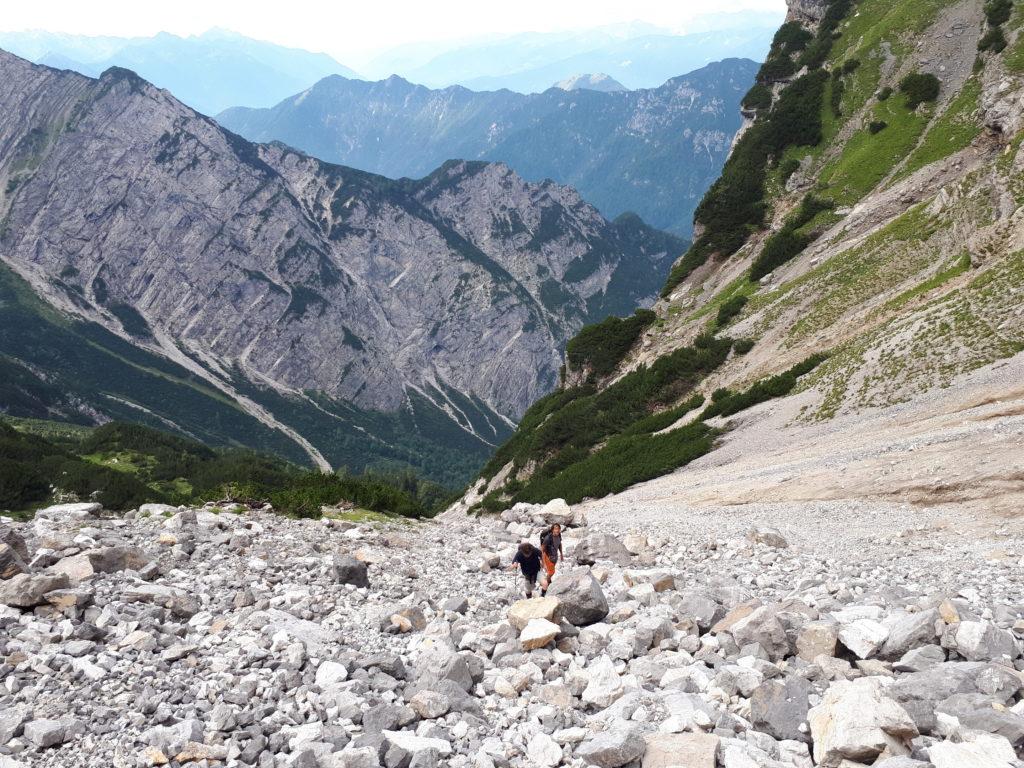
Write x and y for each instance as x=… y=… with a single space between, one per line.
x=550 y=552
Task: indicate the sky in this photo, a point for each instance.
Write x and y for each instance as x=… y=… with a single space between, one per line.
x=351 y=31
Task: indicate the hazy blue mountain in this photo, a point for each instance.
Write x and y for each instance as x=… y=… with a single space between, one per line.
x=209 y=72
x=637 y=55
x=653 y=151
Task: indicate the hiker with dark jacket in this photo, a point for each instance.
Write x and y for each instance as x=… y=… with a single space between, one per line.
x=528 y=560
x=550 y=552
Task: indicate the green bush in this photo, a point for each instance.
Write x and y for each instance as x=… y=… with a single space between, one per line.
x=624 y=461
x=21 y=485
x=836 y=96
x=998 y=12
x=742 y=346
x=767 y=389
x=309 y=491
x=788 y=242
x=758 y=97
x=729 y=310
x=850 y=65
x=994 y=40
x=920 y=88
x=600 y=347
x=885 y=93
x=788 y=168
x=877 y=126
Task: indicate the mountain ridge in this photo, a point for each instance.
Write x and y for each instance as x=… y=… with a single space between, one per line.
x=652 y=152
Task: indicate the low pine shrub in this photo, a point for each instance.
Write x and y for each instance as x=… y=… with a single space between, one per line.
x=600 y=347
x=758 y=97
x=920 y=88
x=729 y=310
x=877 y=126
x=742 y=346
x=994 y=40
x=998 y=12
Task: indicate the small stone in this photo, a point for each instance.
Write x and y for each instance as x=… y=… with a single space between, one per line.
x=621 y=744
x=680 y=750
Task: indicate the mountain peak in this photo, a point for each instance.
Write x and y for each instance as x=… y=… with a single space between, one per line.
x=591 y=82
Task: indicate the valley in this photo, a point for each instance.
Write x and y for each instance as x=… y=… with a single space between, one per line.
x=369 y=322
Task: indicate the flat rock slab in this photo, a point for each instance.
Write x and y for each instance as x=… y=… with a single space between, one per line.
x=680 y=750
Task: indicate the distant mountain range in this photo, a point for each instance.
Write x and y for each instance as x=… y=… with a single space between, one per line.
x=635 y=55
x=209 y=72
x=160 y=268
x=653 y=152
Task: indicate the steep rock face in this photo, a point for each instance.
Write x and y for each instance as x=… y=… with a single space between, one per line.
x=256 y=264
x=651 y=151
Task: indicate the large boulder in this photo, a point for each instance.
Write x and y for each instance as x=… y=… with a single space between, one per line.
x=680 y=750
x=104 y=560
x=763 y=627
x=11 y=562
x=909 y=632
x=769 y=537
x=409 y=743
x=981 y=713
x=601 y=546
x=863 y=637
x=581 y=599
x=856 y=720
x=50 y=733
x=555 y=511
x=523 y=612
x=604 y=684
x=817 y=638
x=15 y=541
x=779 y=708
x=347 y=570
x=975 y=751
x=983 y=641
x=29 y=590
x=538 y=633
x=622 y=743
x=78 y=511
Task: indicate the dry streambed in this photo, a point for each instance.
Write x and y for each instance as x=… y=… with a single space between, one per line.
x=191 y=637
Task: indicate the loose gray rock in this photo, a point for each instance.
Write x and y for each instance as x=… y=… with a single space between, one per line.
x=347 y=570
x=581 y=599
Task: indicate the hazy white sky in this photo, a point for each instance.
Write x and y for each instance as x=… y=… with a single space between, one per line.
x=348 y=29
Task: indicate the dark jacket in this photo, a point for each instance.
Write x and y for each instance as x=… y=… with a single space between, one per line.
x=529 y=563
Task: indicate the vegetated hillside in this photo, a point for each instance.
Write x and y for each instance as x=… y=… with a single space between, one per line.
x=653 y=152
x=271 y=298
x=209 y=72
x=864 y=246
x=125 y=465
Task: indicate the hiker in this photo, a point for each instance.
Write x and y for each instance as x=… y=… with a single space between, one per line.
x=550 y=552
x=528 y=560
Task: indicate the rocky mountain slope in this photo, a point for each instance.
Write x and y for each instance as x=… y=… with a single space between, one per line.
x=206 y=636
x=367 y=319
x=861 y=254
x=209 y=72
x=652 y=151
